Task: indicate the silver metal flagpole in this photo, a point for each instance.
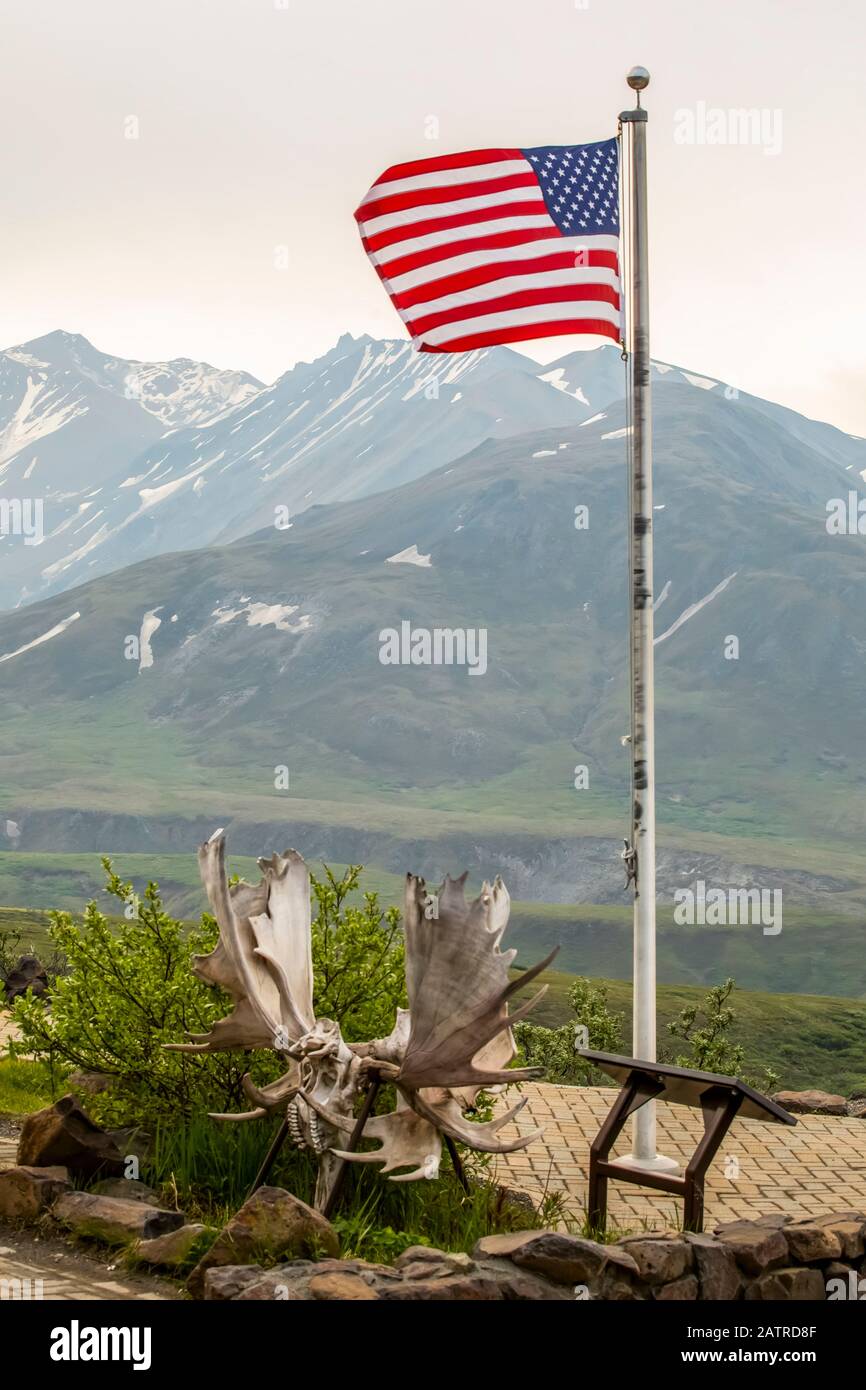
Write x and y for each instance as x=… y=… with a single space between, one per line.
x=640 y=854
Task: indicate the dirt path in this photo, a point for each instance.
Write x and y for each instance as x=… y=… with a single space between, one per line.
x=49 y=1268
x=52 y=1267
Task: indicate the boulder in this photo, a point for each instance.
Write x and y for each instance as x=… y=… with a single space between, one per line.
x=64 y=1134
x=173 y=1248
x=336 y=1287
x=562 y=1258
x=423 y=1262
x=811 y=1102
x=849 y=1228
x=229 y=1281
x=429 y=1255
x=113 y=1220
x=130 y=1189
x=795 y=1285
x=755 y=1247
x=661 y=1259
x=856 y=1108
x=716 y=1268
x=268 y=1286
x=479 y=1287
x=30 y=974
x=26 y=1192
x=679 y=1290
x=270 y=1224
x=809 y=1242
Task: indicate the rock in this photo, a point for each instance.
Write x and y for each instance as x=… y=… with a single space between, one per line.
x=229 y=1281
x=427 y=1254
x=521 y=1285
x=113 y=1220
x=849 y=1228
x=565 y=1259
x=796 y=1285
x=856 y=1108
x=432 y=1264
x=755 y=1247
x=269 y=1287
x=679 y=1290
x=64 y=1134
x=173 y=1248
x=770 y=1220
x=808 y=1242
x=718 y=1276
x=26 y=1192
x=30 y=974
x=502 y=1246
x=129 y=1189
x=464 y=1288
x=271 y=1223
x=342 y=1287
x=811 y=1102
x=660 y=1260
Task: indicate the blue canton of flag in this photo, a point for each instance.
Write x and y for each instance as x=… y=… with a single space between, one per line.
x=580 y=186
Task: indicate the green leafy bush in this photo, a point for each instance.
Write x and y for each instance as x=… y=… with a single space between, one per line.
x=130 y=989
x=554 y=1049
x=705 y=1028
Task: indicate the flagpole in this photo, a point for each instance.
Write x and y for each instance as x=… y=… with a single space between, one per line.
x=641 y=852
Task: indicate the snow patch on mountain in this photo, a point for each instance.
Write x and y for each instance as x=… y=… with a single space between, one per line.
x=410 y=556
x=149 y=625
x=45 y=637
x=266 y=615
x=693 y=609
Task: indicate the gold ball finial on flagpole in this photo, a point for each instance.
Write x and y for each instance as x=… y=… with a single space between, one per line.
x=638 y=79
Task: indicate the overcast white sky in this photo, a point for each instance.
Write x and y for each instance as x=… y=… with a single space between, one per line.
x=263 y=122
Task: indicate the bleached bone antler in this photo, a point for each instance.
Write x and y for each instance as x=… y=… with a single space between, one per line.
x=263 y=958
x=458 y=985
x=460 y=1038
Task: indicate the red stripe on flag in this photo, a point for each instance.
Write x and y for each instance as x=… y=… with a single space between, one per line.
x=467 y=160
x=524 y=332
x=395 y=235
x=391 y=269
x=485 y=274
x=520 y=299
x=398 y=202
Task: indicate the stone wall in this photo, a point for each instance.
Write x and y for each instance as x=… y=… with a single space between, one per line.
x=769 y=1259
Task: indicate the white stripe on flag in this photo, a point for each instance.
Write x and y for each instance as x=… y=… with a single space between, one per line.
x=398 y=249
x=472 y=260
x=428 y=211
x=511 y=284
x=442 y=178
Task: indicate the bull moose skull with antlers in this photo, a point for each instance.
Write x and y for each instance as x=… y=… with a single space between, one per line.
x=453 y=1041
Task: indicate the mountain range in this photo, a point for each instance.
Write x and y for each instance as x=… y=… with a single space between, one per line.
x=129 y=460
x=242 y=682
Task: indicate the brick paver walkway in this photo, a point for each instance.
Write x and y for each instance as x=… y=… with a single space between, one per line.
x=819 y=1165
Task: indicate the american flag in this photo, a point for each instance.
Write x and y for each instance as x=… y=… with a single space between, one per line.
x=499 y=246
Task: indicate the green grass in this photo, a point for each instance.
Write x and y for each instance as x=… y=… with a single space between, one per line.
x=208 y=1168
x=810 y=1040
x=24 y=1086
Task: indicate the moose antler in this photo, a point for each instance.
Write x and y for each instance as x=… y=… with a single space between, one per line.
x=263 y=958
x=454 y=1040
x=460 y=1038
